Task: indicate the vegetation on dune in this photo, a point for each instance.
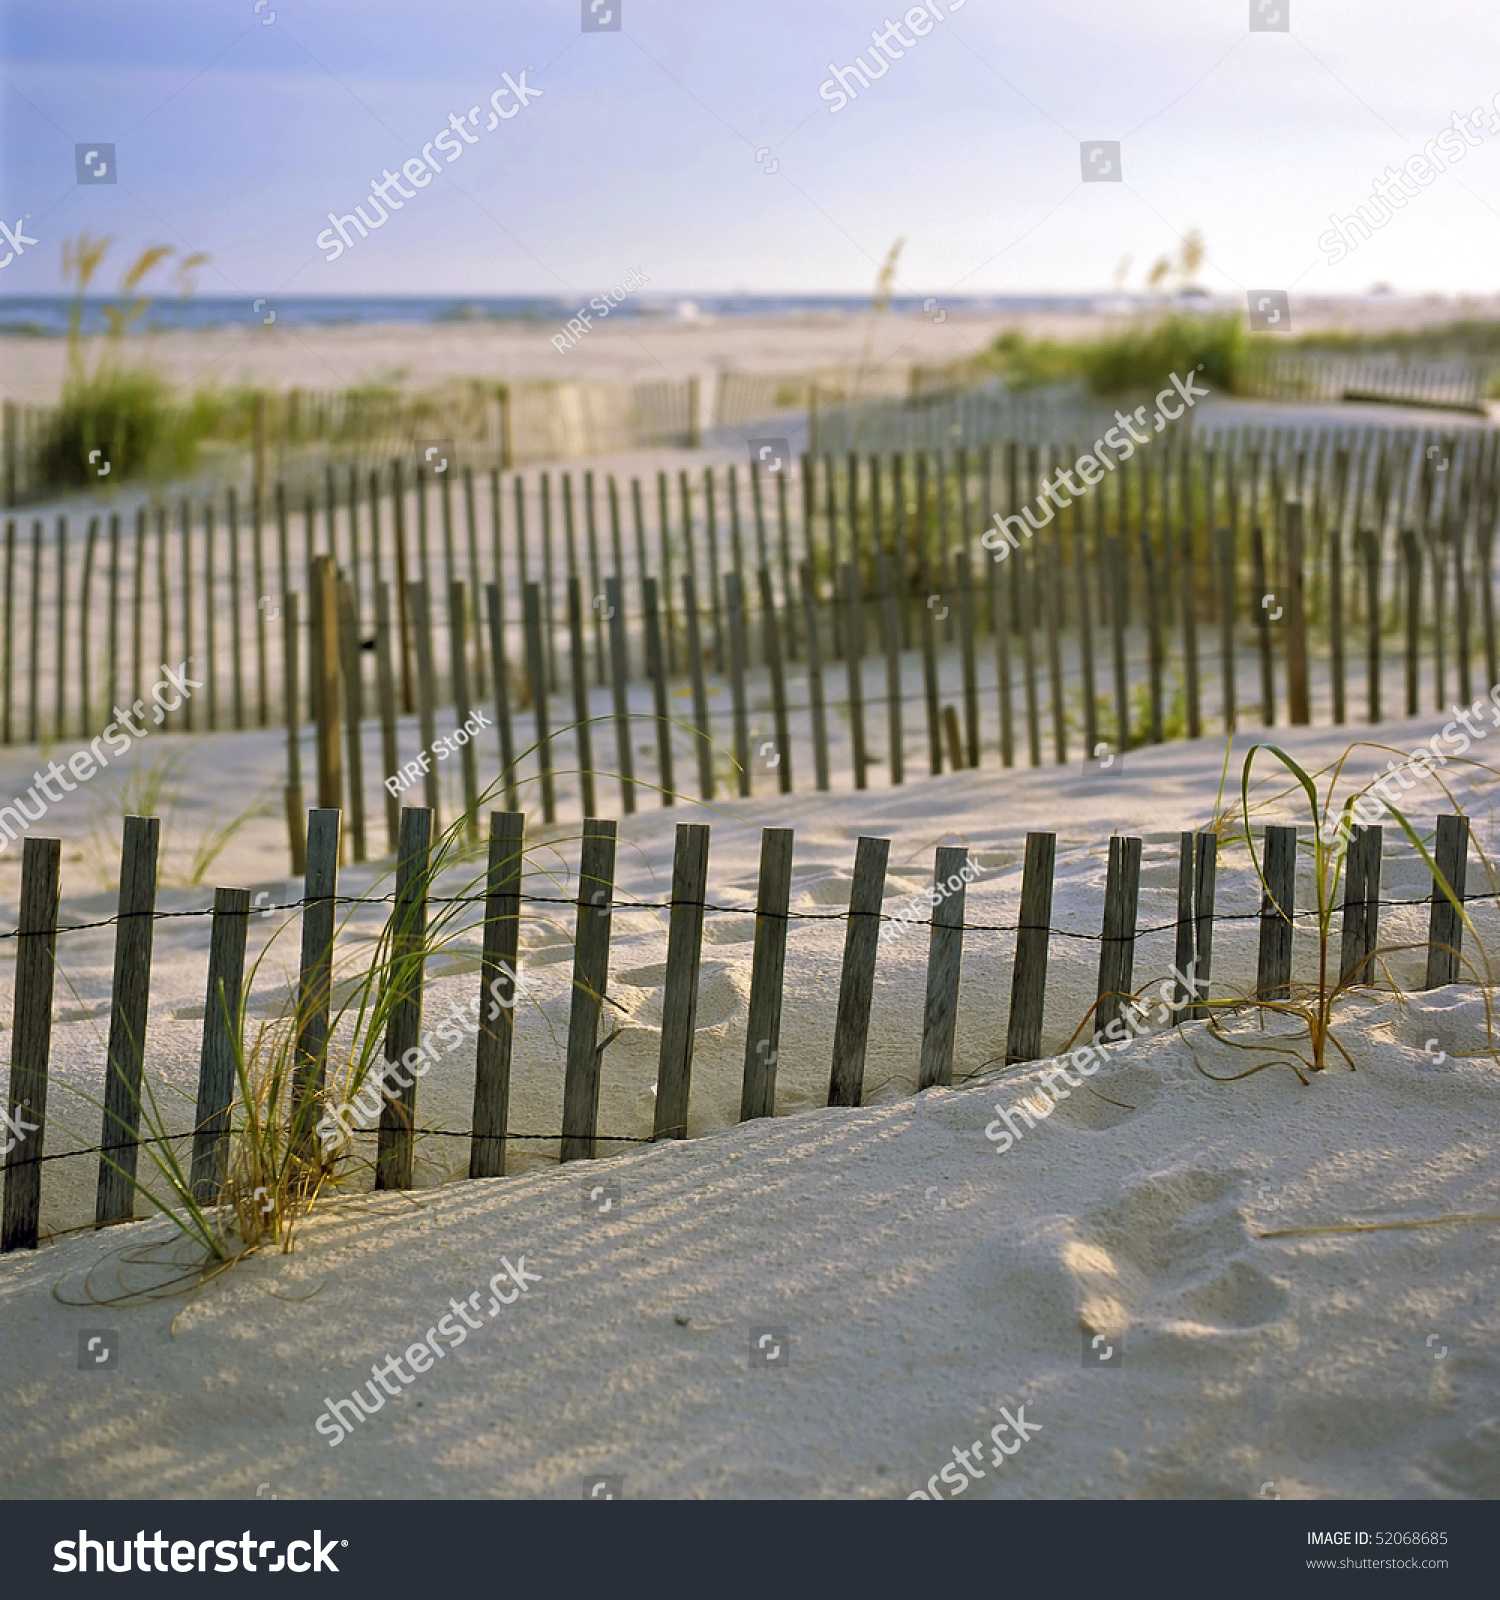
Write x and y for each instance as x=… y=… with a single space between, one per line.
x=123 y=415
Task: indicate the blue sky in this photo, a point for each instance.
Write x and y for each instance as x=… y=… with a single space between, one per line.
x=237 y=137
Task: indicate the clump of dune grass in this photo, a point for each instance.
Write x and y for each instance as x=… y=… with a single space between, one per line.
x=1312 y=1005
x=126 y=412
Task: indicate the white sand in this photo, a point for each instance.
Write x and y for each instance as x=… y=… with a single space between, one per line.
x=926 y=1280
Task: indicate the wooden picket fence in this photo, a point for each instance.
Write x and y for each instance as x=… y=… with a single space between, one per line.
x=1390 y=531
x=37 y=933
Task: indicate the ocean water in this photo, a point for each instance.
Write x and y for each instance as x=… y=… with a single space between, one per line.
x=47 y=315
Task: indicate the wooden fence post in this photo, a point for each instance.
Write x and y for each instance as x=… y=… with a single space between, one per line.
x=734 y=606
x=771 y=649
x=854 y=665
x=1028 y=985
x=350 y=659
x=1369 y=549
x=325 y=676
x=385 y=688
x=851 y=1029
x=680 y=998
x=315 y=984
x=619 y=688
x=1117 y=948
x=1298 y=707
x=497 y=993
x=1445 y=933
x=890 y=622
x=970 y=670
x=1227 y=706
x=500 y=675
x=407 y=973
x=458 y=630
x=944 y=959
x=815 y=700
x=129 y=995
x=1278 y=901
x=596 y=889
x=31 y=1041
x=1361 y=925
x=221 y=1026
x=426 y=686
x=656 y=670
x=578 y=674
x=292 y=691
x=768 y=963
x=536 y=673
x=1411 y=556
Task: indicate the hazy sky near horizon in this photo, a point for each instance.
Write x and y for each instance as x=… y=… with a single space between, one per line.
x=651 y=147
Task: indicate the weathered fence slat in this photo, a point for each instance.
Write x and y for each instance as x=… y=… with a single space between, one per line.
x=296 y=825
x=350 y=659
x=1028 y=987
x=734 y=606
x=703 y=737
x=1361 y=905
x=536 y=676
x=385 y=691
x=1278 y=899
x=854 y=664
x=403 y=996
x=500 y=687
x=421 y=614
x=458 y=651
x=31 y=1041
x=944 y=959
x=216 y=1062
x=815 y=700
x=890 y=627
x=771 y=648
x=768 y=964
x=315 y=983
x=624 y=755
x=1122 y=889
x=596 y=888
x=1445 y=933
x=680 y=998
x=129 y=995
x=578 y=673
x=656 y=670
x=497 y=994
x=851 y=1028
x=1299 y=708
